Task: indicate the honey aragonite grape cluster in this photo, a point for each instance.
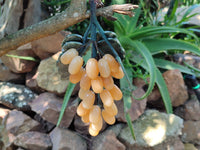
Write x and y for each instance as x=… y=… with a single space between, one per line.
x=96 y=78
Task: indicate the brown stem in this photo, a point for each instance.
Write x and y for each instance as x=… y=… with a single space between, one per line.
x=74 y=14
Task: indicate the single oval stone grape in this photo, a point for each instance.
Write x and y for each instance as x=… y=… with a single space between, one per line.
x=104 y=68
x=75 y=65
x=67 y=57
x=92 y=69
x=97 y=85
x=106 y=98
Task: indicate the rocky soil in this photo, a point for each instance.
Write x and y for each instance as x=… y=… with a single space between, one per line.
x=31 y=96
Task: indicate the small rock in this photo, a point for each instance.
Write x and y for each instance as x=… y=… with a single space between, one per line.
x=18 y=65
x=189 y=111
x=137 y=107
x=176 y=87
x=189 y=146
x=107 y=141
x=48 y=106
x=7 y=75
x=47 y=46
x=31 y=81
x=49 y=78
x=15 y=96
x=153 y=130
x=80 y=126
x=33 y=141
x=65 y=139
x=18 y=122
x=191 y=132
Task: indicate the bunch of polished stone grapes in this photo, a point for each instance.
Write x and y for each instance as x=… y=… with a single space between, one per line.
x=96 y=82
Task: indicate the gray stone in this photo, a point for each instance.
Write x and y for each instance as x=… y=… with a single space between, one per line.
x=49 y=77
x=153 y=130
x=64 y=139
x=33 y=141
x=15 y=96
x=191 y=132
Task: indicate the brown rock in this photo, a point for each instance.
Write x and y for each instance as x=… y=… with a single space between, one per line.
x=33 y=141
x=191 y=132
x=18 y=122
x=18 y=65
x=107 y=141
x=49 y=77
x=176 y=87
x=7 y=75
x=47 y=46
x=48 y=106
x=137 y=107
x=31 y=81
x=189 y=111
x=80 y=126
x=65 y=139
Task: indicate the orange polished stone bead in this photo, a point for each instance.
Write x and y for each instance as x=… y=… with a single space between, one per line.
x=108 y=83
x=113 y=64
x=92 y=69
x=112 y=110
x=75 y=78
x=95 y=114
x=119 y=74
x=104 y=68
x=81 y=111
x=85 y=82
x=108 y=118
x=106 y=98
x=88 y=100
x=97 y=85
x=75 y=65
x=116 y=93
x=67 y=57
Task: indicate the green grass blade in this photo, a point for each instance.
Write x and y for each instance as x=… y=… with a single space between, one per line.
x=130 y=125
x=159 y=45
x=23 y=57
x=163 y=91
x=165 y=64
x=126 y=90
x=152 y=31
x=143 y=50
x=67 y=96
